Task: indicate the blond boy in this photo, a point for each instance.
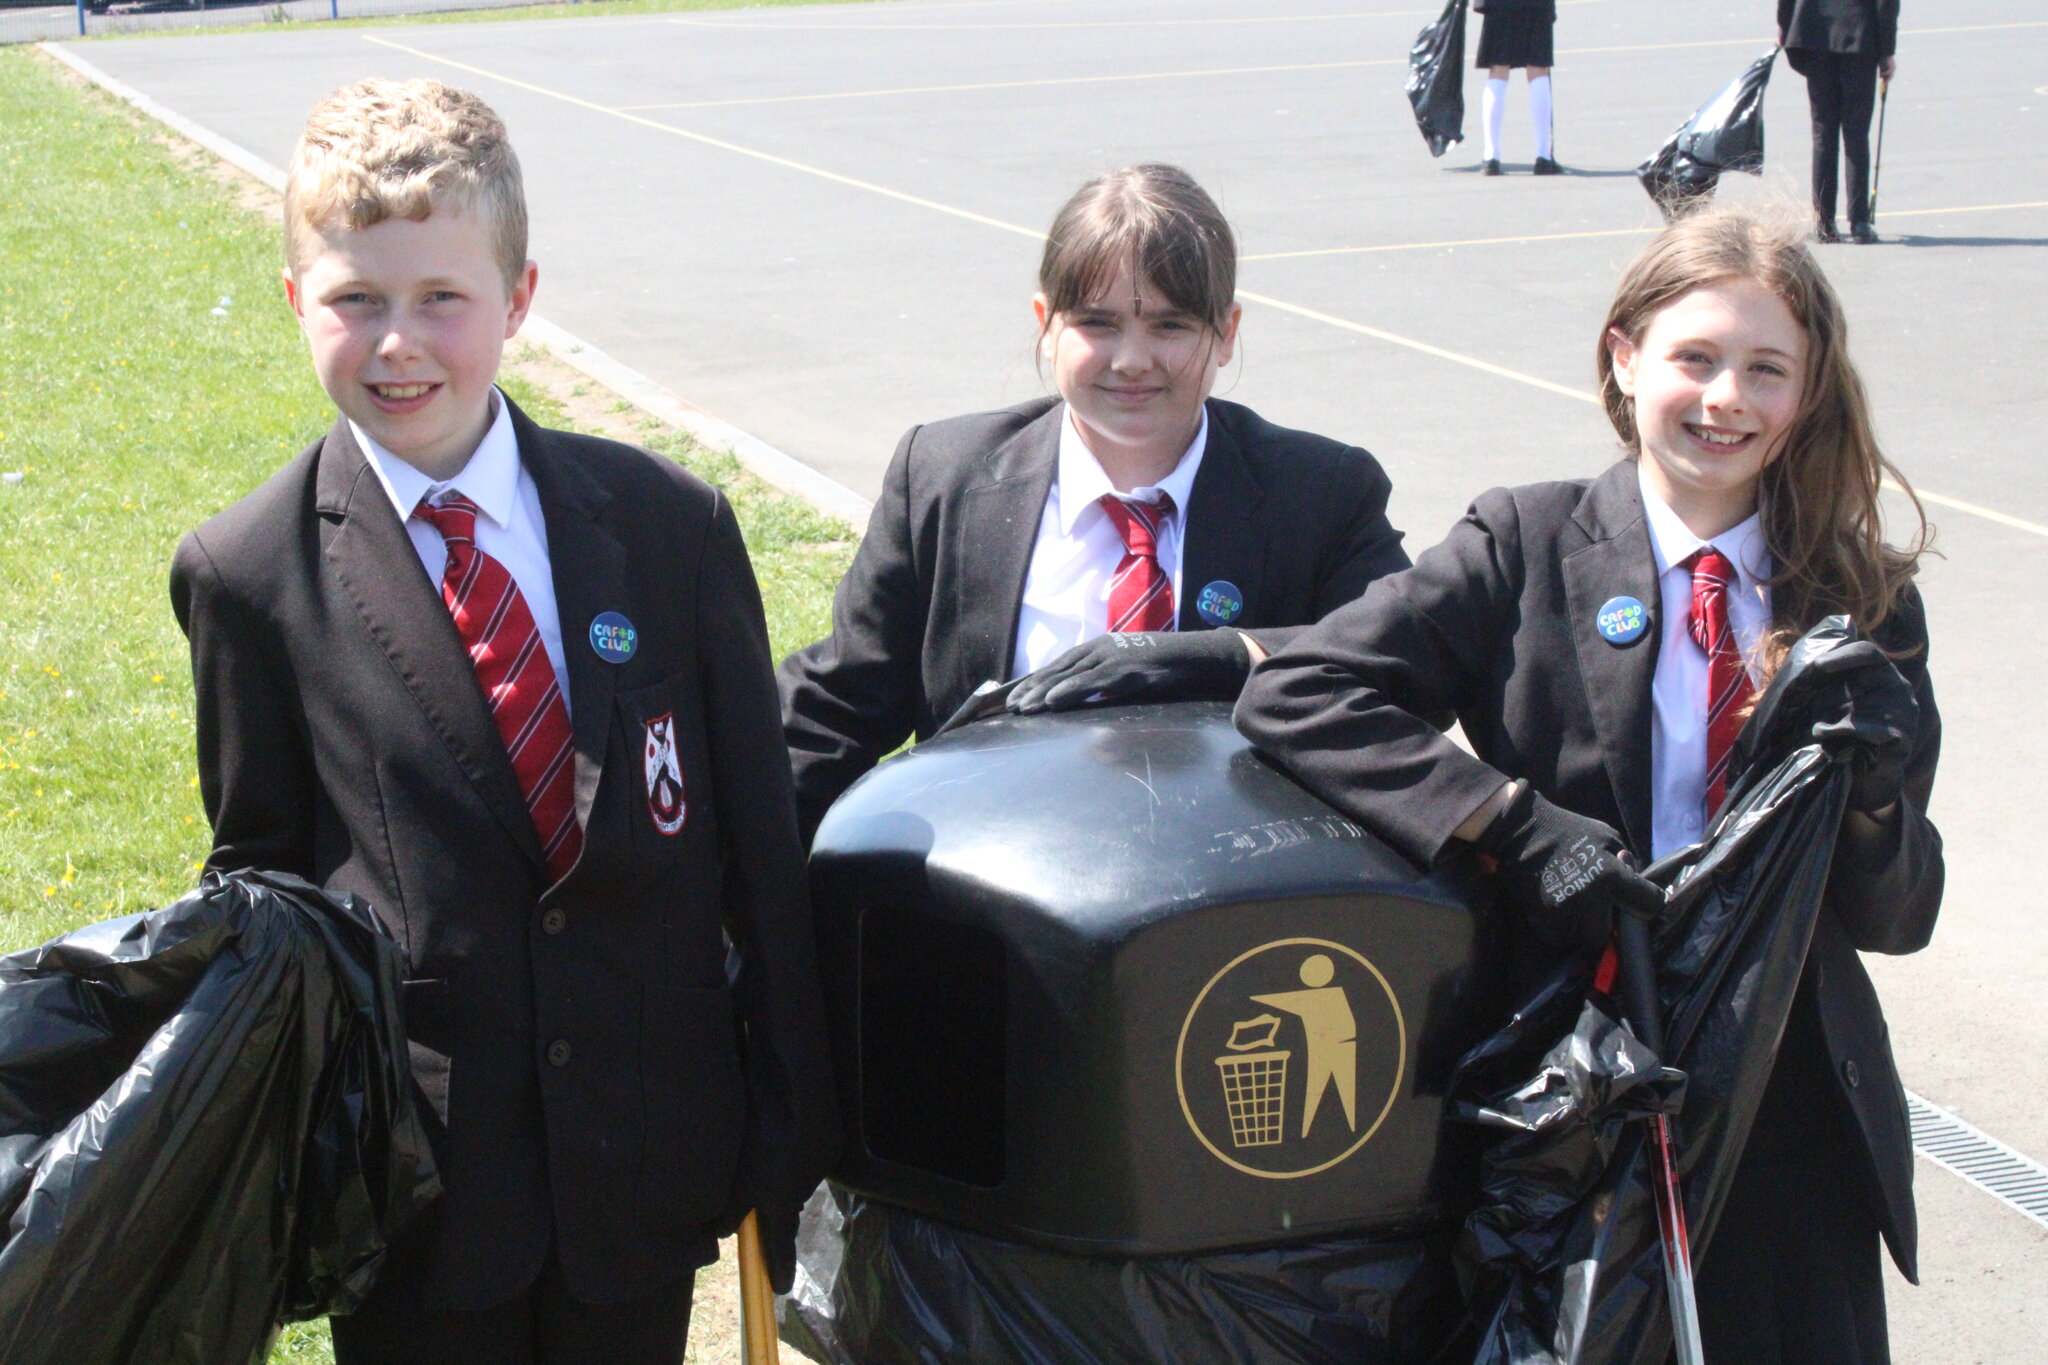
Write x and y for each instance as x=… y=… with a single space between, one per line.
x=512 y=686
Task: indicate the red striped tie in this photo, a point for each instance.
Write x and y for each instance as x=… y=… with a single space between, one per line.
x=1728 y=685
x=518 y=680
x=1141 y=595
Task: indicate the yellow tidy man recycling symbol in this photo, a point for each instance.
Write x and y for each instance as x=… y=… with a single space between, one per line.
x=1242 y=1081
x=1325 y=1014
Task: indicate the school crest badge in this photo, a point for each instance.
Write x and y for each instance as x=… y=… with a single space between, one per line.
x=664 y=775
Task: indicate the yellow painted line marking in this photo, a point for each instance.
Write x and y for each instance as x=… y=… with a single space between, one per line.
x=720 y=143
x=1886 y=216
x=771 y=26
x=1396 y=339
x=1967 y=208
x=1433 y=246
x=1019 y=85
x=1762 y=43
x=774 y=27
x=968 y=87
x=2002 y=518
x=1280 y=305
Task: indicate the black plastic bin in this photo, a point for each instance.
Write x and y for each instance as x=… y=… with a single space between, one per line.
x=1106 y=983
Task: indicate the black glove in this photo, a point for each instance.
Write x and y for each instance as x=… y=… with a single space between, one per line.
x=1567 y=872
x=1148 y=665
x=1865 y=715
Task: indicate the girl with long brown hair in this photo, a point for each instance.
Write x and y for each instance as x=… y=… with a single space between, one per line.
x=1599 y=640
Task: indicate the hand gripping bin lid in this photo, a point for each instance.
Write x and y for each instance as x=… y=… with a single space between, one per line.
x=1109 y=983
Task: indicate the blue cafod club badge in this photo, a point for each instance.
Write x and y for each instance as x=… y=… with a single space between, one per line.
x=1220 y=603
x=613 y=637
x=1622 y=621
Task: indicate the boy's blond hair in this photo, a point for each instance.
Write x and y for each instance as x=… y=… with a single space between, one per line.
x=383 y=149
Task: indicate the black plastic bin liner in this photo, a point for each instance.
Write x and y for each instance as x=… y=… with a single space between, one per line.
x=206 y=1126
x=880 y=1285
x=1561 y=1260
x=1724 y=134
x=1436 y=79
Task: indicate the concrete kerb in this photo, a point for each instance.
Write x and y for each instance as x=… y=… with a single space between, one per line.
x=773 y=466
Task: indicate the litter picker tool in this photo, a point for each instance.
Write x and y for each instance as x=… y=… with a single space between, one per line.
x=1638 y=982
x=757 y=1299
x=1884 y=94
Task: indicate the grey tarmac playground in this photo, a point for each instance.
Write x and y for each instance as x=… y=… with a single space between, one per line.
x=821 y=225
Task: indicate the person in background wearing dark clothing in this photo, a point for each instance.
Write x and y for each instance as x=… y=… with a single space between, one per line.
x=1517 y=33
x=1841 y=47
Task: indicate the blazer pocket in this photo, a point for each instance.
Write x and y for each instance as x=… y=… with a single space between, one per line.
x=429 y=1039
x=695 y=1101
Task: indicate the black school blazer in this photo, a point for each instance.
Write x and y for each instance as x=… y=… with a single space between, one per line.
x=928 y=610
x=1498 y=625
x=579 y=1050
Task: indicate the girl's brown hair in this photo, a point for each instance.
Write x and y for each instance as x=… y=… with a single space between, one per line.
x=1156 y=220
x=1819 y=496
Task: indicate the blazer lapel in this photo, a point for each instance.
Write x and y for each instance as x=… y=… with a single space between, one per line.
x=1616 y=562
x=374 y=561
x=999 y=516
x=589 y=567
x=1223 y=540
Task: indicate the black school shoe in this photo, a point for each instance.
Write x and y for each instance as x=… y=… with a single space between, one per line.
x=1546 y=166
x=1489 y=167
x=1863 y=234
x=1824 y=231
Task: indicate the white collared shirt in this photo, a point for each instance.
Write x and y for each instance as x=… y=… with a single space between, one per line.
x=1066 y=591
x=1678 y=729
x=509 y=528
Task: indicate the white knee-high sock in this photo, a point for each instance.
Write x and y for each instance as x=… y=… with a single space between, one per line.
x=1495 y=107
x=1539 y=113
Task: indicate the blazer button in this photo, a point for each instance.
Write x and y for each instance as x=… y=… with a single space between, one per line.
x=1851 y=1073
x=558 y=1052
x=553 y=921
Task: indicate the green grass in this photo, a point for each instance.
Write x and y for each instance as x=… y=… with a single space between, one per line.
x=589 y=10
x=134 y=410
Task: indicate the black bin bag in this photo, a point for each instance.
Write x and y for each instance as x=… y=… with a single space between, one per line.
x=1561 y=1258
x=1436 y=79
x=206 y=1126
x=1724 y=134
x=1143 y=1054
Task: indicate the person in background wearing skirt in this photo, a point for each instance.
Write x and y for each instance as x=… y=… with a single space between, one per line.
x=1841 y=47
x=1517 y=33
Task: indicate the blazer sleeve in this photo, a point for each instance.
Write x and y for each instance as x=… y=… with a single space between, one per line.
x=1887 y=28
x=1885 y=884
x=1364 y=547
x=850 y=699
x=256 y=775
x=793 y=1124
x=1343 y=707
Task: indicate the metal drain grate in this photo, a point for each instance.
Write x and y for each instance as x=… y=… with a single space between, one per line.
x=1982 y=1160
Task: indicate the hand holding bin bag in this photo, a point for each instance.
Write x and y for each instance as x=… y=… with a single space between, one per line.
x=1561 y=1259
x=206 y=1126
